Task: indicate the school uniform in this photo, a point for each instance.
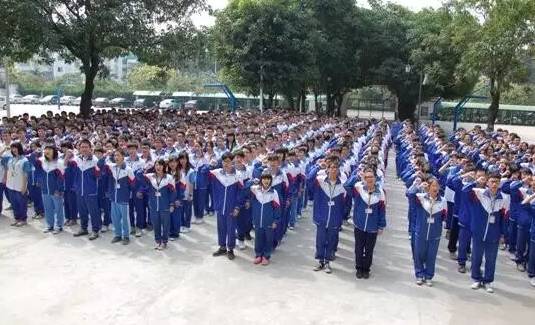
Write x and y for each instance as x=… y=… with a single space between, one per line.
x=530 y=209
x=201 y=167
x=175 y=223
x=71 y=207
x=17 y=169
x=226 y=189
x=244 y=223
x=85 y=185
x=137 y=206
x=187 y=179
x=368 y=219
x=161 y=195
x=328 y=212
x=51 y=177
x=487 y=226
x=265 y=210
x=34 y=189
x=121 y=181
x=295 y=179
x=104 y=203
x=430 y=214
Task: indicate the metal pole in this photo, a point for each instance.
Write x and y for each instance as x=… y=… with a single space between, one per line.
x=8 y=104
x=261 y=89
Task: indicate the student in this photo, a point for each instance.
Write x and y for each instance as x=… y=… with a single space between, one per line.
x=431 y=211
x=329 y=198
x=137 y=207
x=226 y=187
x=265 y=209
x=34 y=190
x=176 y=216
x=488 y=209
x=529 y=205
x=186 y=174
x=160 y=189
x=50 y=174
x=85 y=185
x=368 y=218
x=18 y=169
x=104 y=204
x=244 y=173
x=201 y=167
x=120 y=184
x=71 y=209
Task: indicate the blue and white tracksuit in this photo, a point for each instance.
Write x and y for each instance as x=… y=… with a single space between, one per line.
x=427 y=232
x=51 y=177
x=530 y=208
x=522 y=220
x=488 y=216
x=137 y=206
x=34 y=190
x=201 y=167
x=295 y=180
x=162 y=196
x=226 y=190
x=86 y=174
x=121 y=181
x=328 y=213
x=244 y=222
x=265 y=209
x=187 y=179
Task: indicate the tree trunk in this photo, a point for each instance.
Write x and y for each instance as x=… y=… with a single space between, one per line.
x=270 y=101
x=330 y=105
x=338 y=98
x=494 y=105
x=316 y=104
x=406 y=108
x=90 y=70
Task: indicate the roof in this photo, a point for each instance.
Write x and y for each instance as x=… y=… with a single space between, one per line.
x=486 y=106
x=147 y=93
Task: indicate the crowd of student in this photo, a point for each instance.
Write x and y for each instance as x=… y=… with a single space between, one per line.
x=142 y=171
x=479 y=185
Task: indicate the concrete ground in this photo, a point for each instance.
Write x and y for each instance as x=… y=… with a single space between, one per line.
x=47 y=279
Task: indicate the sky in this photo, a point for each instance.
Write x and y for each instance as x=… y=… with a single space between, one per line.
x=204 y=19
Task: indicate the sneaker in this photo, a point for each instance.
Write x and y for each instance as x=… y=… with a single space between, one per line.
x=359 y=275
x=257 y=260
x=80 y=233
x=532 y=282
x=133 y=231
x=429 y=282
x=462 y=269
x=453 y=256
x=419 y=281
x=291 y=227
x=366 y=275
x=21 y=224
x=489 y=288
x=231 y=256
x=248 y=236
x=265 y=261
x=520 y=267
x=172 y=238
x=163 y=246
x=503 y=246
x=115 y=240
x=328 y=268
x=198 y=221
x=319 y=267
x=476 y=285
x=104 y=229
x=47 y=230
x=186 y=230
x=93 y=236
x=220 y=252
x=126 y=241
x=158 y=247
x=138 y=233
x=241 y=244
x=57 y=231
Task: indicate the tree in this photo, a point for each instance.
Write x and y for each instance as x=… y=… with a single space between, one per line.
x=498 y=43
x=148 y=77
x=91 y=30
x=262 y=40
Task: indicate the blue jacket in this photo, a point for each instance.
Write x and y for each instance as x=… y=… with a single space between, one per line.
x=368 y=220
x=265 y=206
x=202 y=170
x=86 y=174
x=161 y=192
x=329 y=202
x=530 y=208
x=487 y=215
x=226 y=191
x=429 y=216
x=517 y=193
x=121 y=181
x=50 y=175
